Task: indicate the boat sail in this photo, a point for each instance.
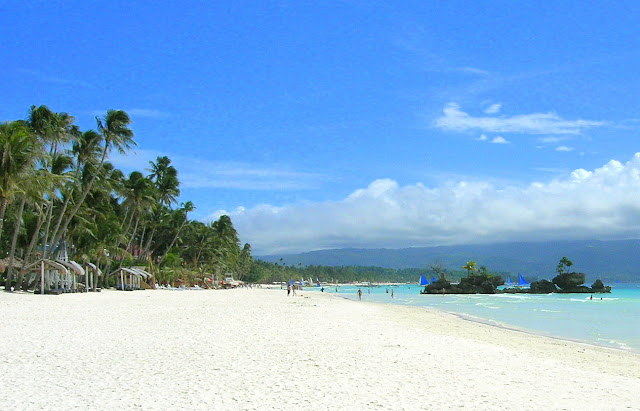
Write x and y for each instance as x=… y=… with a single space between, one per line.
x=522 y=282
x=509 y=282
x=423 y=280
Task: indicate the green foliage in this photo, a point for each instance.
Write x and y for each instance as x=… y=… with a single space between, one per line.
x=563 y=265
x=75 y=198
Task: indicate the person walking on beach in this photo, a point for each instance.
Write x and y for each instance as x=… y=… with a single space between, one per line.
x=288 y=289
x=293 y=290
x=360 y=294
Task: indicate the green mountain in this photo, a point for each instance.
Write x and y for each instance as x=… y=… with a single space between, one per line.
x=608 y=260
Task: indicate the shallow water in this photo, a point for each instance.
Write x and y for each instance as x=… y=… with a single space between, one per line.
x=609 y=319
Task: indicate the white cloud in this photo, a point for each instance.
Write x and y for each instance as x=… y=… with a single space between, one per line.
x=564 y=148
x=602 y=203
x=493 y=109
x=473 y=70
x=482 y=137
x=455 y=119
x=499 y=140
x=550 y=139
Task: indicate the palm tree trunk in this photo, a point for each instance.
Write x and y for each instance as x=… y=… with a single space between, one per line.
x=3 y=209
x=32 y=244
x=126 y=231
x=46 y=230
x=144 y=231
x=133 y=234
x=175 y=238
x=14 y=240
x=147 y=248
x=66 y=202
x=57 y=236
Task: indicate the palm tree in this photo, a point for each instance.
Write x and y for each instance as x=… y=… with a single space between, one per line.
x=18 y=150
x=115 y=132
x=137 y=199
x=470 y=266
x=165 y=179
x=226 y=242
x=186 y=209
x=245 y=261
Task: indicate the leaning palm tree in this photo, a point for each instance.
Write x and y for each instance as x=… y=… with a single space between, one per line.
x=138 y=198
x=86 y=149
x=226 y=241
x=182 y=214
x=33 y=186
x=115 y=132
x=18 y=150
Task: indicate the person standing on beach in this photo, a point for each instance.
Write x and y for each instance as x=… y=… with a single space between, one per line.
x=288 y=289
x=293 y=290
x=360 y=294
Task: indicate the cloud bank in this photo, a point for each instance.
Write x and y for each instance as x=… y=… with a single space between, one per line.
x=455 y=119
x=600 y=204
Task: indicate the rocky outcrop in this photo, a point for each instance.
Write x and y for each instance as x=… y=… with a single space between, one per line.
x=480 y=284
x=542 y=287
x=574 y=283
x=569 y=281
x=599 y=287
x=473 y=284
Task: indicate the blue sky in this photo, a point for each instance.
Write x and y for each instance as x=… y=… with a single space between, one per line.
x=357 y=124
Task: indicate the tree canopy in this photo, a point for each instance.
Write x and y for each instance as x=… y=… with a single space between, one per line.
x=60 y=194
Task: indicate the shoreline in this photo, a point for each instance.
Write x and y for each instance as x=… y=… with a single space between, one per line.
x=525 y=333
x=259 y=349
x=618 y=346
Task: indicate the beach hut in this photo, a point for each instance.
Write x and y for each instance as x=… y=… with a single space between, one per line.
x=92 y=272
x=76 y=272
x=130 y=278
x=4 y=263
x=55 y=278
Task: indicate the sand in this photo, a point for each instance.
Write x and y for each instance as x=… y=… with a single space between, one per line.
x=259 y=349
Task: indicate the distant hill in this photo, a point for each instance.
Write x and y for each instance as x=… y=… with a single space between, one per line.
x=608 y=260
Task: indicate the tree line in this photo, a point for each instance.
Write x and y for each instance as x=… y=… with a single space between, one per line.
x=59 y=194
x=268 y=272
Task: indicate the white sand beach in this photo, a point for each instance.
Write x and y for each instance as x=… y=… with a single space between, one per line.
x=259 y=349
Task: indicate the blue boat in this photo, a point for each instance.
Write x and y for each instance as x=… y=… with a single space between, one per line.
x=522 y=282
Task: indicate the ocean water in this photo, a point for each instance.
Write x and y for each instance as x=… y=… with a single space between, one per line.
x=611 y=320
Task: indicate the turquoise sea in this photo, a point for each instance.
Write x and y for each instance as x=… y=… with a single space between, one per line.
x=611 y=320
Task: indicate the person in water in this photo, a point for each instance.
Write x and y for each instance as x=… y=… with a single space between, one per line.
x=360 y=294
